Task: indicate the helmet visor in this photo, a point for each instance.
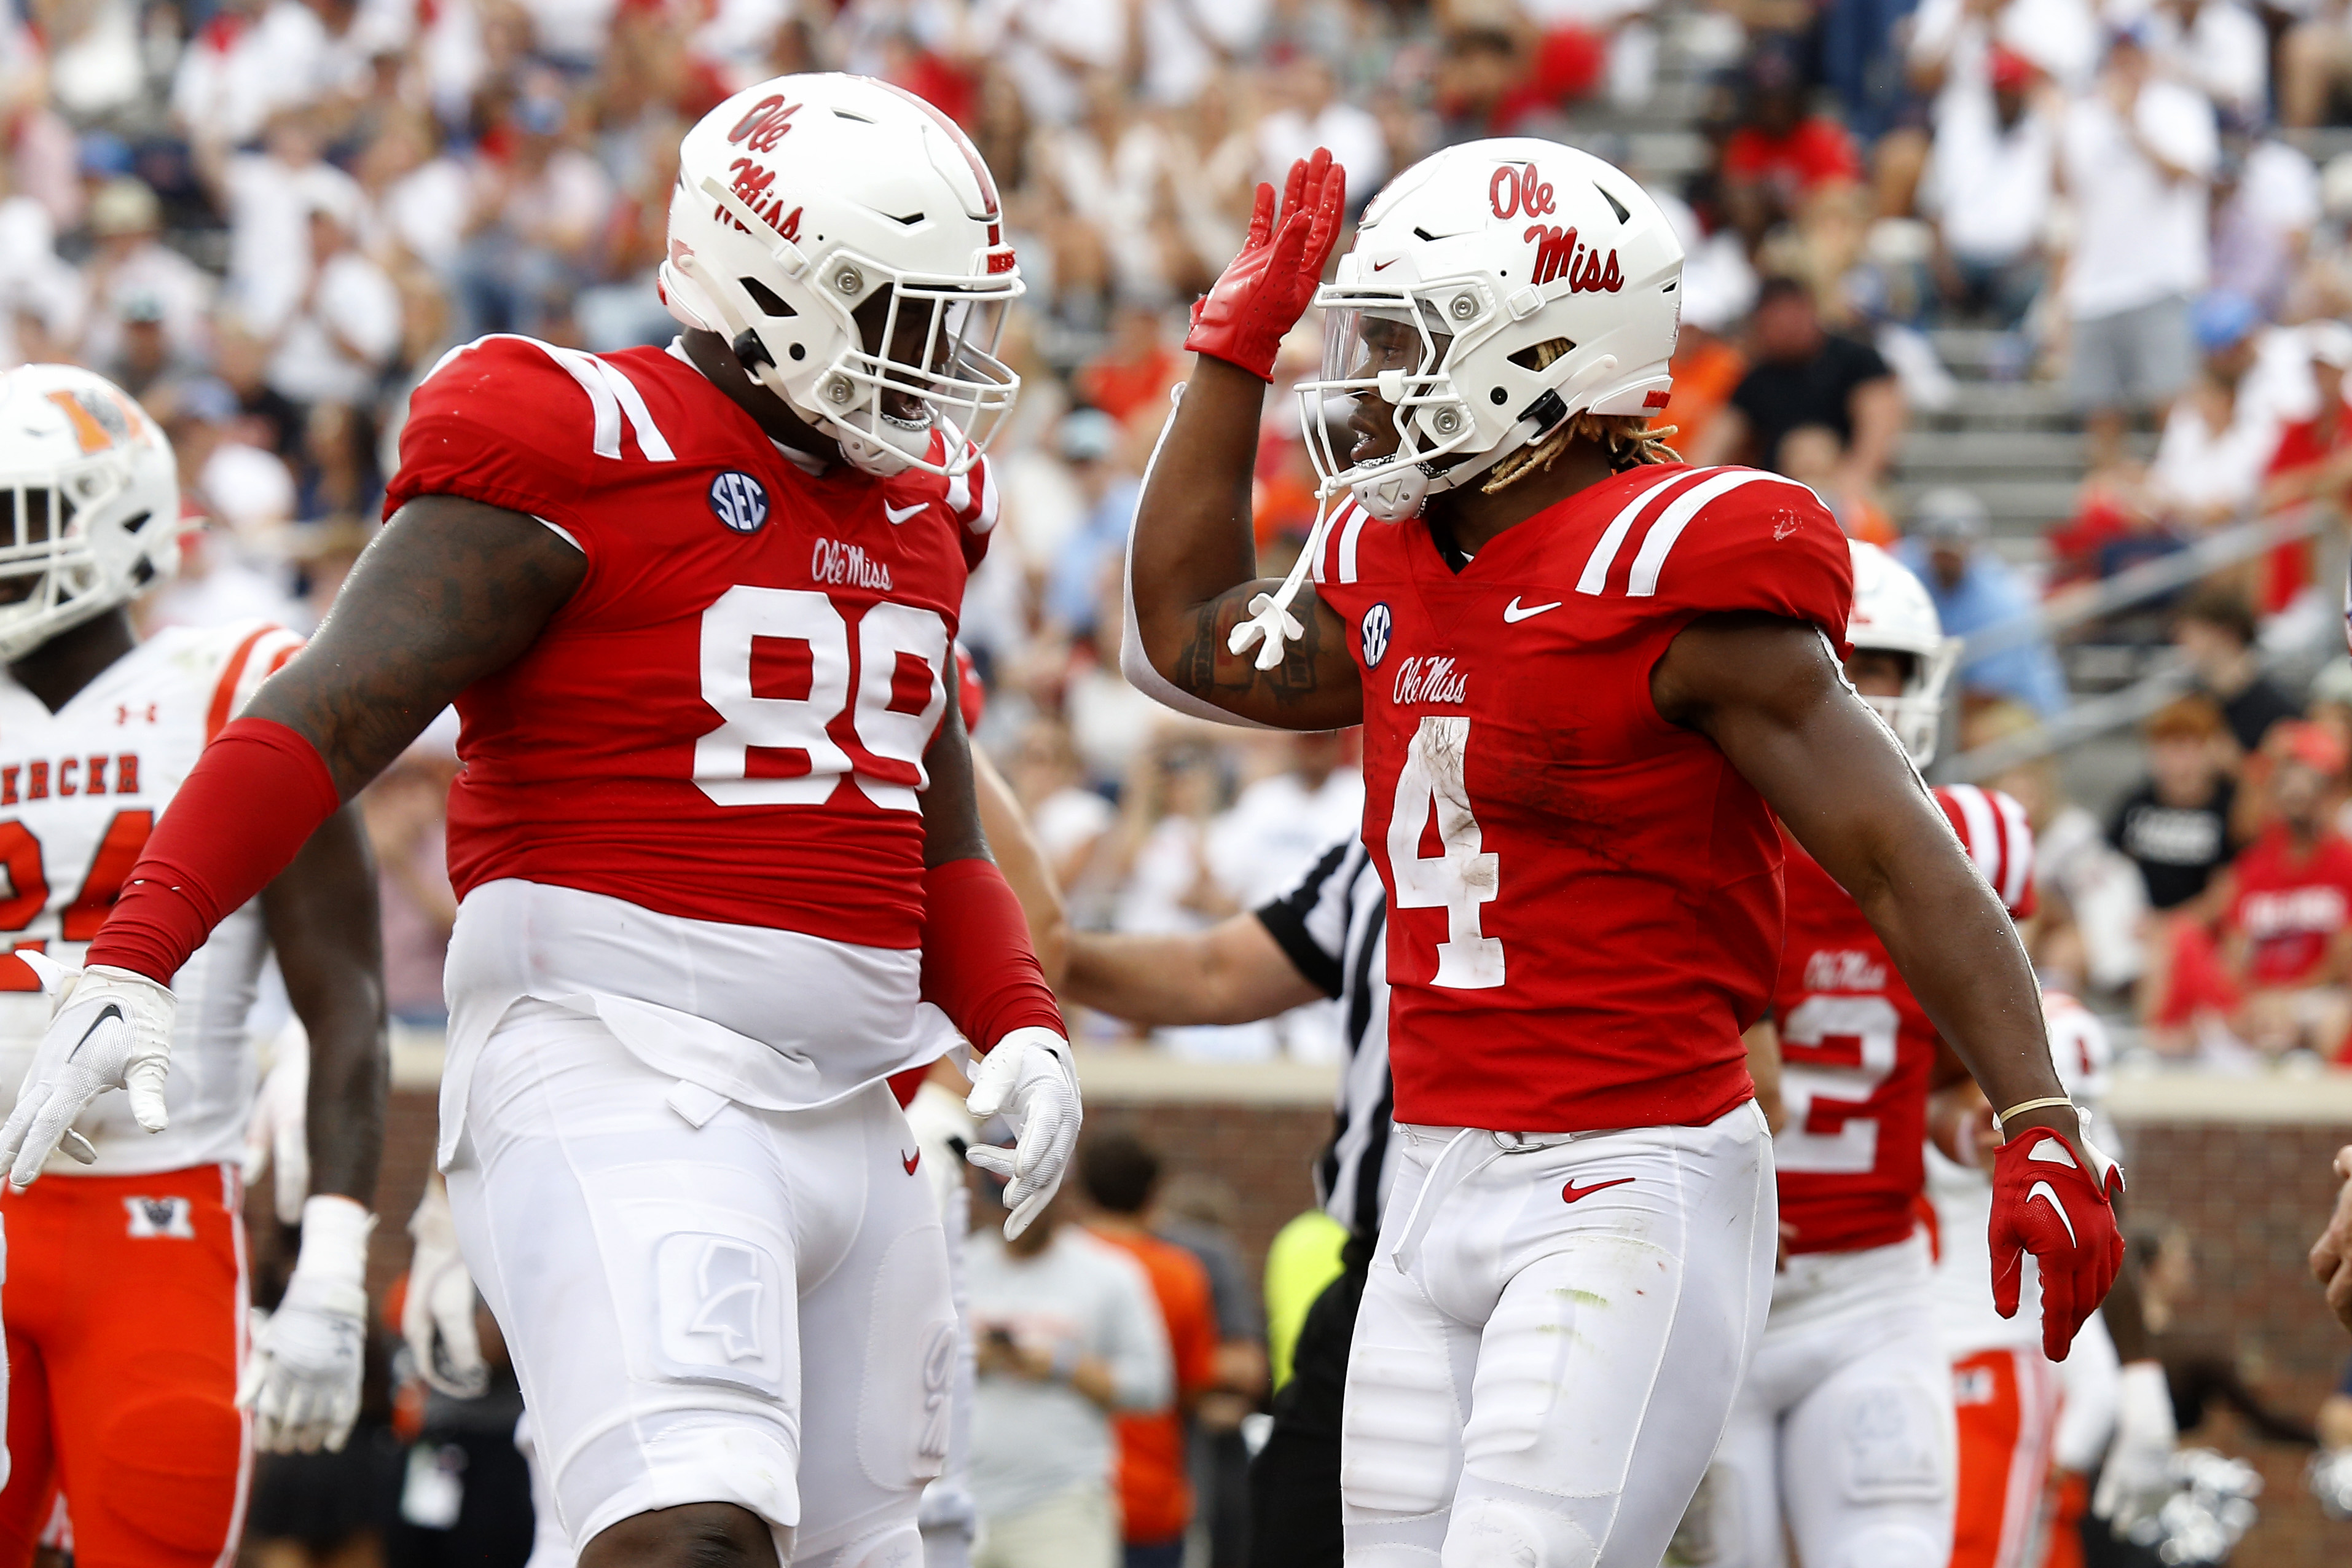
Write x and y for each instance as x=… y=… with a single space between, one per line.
x=1383 y=361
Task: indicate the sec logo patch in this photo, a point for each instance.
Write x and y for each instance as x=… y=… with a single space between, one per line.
x=739 y=501
x=1378 y=623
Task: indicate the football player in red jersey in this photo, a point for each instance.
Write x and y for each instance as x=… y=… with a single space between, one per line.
x=1589 y=678
x=720 y=868
x=1844 y=1429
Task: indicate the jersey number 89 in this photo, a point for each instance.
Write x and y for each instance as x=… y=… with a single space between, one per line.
x=893 y=714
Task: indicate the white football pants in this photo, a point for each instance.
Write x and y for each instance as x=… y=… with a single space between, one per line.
x=706 y=1302
x=1550 y=1342
x=1844 y=1427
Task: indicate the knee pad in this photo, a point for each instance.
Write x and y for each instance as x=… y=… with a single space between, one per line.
x=899 y=1546
x=1895 y=1443
x=1400 y=1446
x=170 y=1474
x=1507 y=1532
x=1891 y=1546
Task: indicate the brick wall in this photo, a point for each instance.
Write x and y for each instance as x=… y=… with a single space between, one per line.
x=2252 y=1198
x=2250 y=1195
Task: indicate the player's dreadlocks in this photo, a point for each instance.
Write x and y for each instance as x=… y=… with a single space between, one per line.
x=1627 y=437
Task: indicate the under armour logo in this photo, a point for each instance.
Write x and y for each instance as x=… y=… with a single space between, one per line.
x=731 y=1282
x=124 y=713
x=171 y=1219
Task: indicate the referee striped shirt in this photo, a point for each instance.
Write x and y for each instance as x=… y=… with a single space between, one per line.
x=1331 y=925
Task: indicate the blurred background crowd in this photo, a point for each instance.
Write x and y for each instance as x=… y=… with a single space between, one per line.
x=2043 y=294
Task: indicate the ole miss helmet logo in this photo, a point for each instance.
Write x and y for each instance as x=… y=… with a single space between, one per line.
x=739 y=501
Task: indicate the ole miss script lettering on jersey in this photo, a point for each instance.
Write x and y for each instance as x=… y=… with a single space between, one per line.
x=1858 y=1054
x=726 y=722
x=1587 y=898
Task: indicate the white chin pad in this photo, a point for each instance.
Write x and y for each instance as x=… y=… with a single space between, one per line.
x=1393 y=497
x=891 y=451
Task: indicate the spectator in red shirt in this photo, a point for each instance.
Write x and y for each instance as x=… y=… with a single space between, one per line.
x=2313 y=462
x=2286 y=926
x=1121 y=1175
x=1782 y=156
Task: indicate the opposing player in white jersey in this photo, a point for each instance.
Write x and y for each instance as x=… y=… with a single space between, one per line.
x=2022 y=1417
x=1843 y=1431
x=720 y=866
x=125 y=1297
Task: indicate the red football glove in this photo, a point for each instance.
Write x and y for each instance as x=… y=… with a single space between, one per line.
x=1270 y=284
x=2045 y=1203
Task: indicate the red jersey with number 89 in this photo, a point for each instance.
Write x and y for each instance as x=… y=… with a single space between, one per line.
x=1585 y=898
x=1857 y=1052
x=726 y=722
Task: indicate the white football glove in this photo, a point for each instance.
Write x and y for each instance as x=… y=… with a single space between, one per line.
x=2137 y=1476
x=437 y=1317
x=108 y=1028
x=277 y=1136
x=1031 y=1081
x=302 y=1383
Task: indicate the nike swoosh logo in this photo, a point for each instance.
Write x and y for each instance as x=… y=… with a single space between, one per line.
x=1513 y=612
x=911 y=1161
x=1572 y=1192
x=110 y=1011
x=2049 y=1194
x=1378 y=266
x=898 y=514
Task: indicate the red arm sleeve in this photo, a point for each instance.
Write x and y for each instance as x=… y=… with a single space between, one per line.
x=250 y=803
x=978 y=966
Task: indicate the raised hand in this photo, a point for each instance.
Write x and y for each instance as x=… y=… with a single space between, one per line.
x=1268 y=286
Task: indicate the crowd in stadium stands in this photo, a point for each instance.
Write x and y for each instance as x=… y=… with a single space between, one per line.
x=269 y=218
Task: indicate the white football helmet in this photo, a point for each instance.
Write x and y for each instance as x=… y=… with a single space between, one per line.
x=805 y=198
x=1893 y=613
x=89 y=502
x=1495 y=288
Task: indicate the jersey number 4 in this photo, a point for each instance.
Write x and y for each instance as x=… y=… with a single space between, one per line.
x=775 y=668
x=1824 y=1135
x=28 y=888
x=1463 y=875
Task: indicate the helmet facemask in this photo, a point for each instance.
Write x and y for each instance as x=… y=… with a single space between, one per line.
x=50 y=575
x=1916 y=713
x=922 y=389
x=1393 y=344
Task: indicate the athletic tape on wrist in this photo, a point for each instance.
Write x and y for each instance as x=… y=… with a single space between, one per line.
x=2001 y=1118
x=335 y=1232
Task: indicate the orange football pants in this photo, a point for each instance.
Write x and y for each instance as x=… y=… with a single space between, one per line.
x=2007 y=1403
x=125 y=1314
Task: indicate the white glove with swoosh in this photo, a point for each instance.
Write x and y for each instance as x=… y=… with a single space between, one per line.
x=437 y=1317
x=1029 y=1080
x=302 y=1379
x=108 y=1028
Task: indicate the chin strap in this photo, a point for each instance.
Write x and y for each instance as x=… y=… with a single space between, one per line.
x=1270 y=621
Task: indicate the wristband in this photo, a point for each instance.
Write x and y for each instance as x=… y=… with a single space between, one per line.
x=331 y=1265
x=2001 y=1118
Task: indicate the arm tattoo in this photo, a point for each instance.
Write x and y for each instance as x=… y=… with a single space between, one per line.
x=450 y=591
x=1211 y=673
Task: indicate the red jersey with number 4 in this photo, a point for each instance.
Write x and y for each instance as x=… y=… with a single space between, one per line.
x=726 y=722
x=1857 y=1052
x=1585 y=900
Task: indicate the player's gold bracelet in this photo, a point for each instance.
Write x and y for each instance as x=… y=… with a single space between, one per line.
x=2000 y=1121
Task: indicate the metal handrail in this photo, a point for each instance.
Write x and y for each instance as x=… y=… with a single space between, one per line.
x=2170 y=676
x=2071 y=607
